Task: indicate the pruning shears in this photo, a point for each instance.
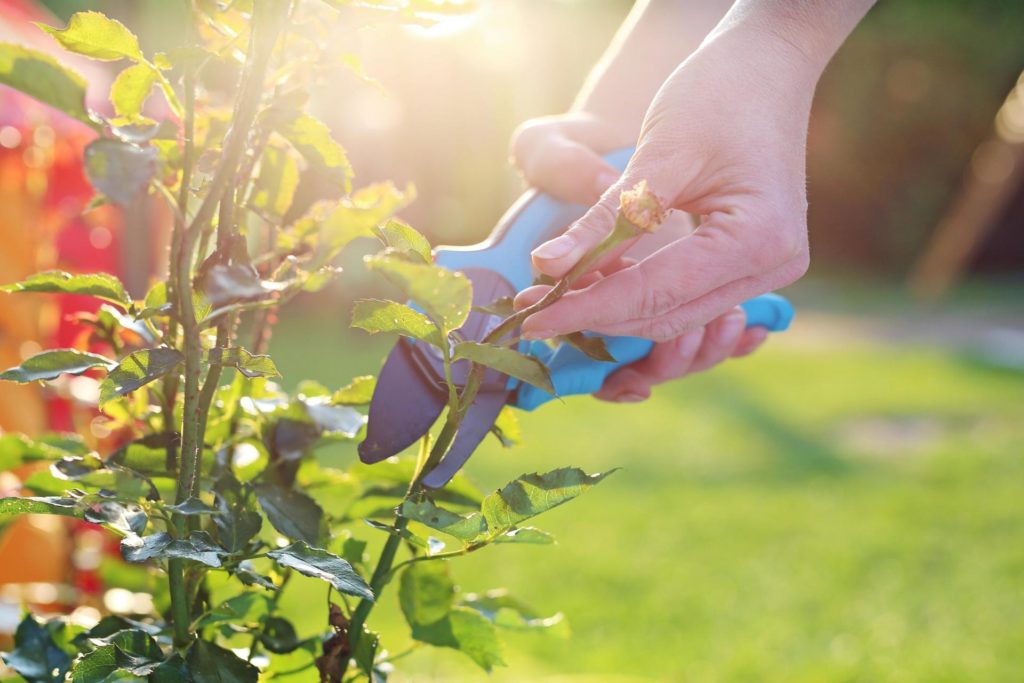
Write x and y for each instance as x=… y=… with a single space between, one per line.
x=411 y=392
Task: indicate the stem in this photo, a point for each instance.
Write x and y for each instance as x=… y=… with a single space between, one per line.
x=264 y=36
x=180 y=603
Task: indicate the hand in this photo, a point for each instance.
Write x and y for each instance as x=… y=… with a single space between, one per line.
x=723 y=139
x=557 y=154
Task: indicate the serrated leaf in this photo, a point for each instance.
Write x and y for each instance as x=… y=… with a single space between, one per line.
x=42 y=77
x=358 y=392
x=351 y=218
x=198 y=547
x=403 y=238
x=279 y=636
x=43 y=505
x=223 y=284
x=426 y=592
x=293 y=513
x=508 y=612
x=404 y=533
x=246 y=608
x=52 y=364
x=137 y=370
x=99 y=285
x=531 y=494
x=467 y=631
x=128 y=518
x=445 y=295
x=131 y=88
x=246 y=363
x=464 y=528
x=18 y=449
x=37 y=657
x=209 y=663
x=592 y=345
x=321 y=564
x=95 y=666
x=507 y=361
x=96 y=35
x=312 y=139
x=118 y=169
x=375 y=315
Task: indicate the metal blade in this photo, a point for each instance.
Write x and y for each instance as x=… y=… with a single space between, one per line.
x=477 y=422
x=404 y=406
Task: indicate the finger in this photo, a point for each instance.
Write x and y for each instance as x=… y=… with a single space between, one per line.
x=639 y=301
x=554 y=159
x=720 y=339
x=665 y=362
x=751 y=340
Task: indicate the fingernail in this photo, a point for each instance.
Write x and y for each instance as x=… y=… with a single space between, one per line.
x=605 y=179
x=630 y=397
x=732 y=327
x=556 y=248
x=532 y=335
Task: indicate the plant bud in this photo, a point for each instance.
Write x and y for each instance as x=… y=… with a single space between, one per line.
x=642 y=208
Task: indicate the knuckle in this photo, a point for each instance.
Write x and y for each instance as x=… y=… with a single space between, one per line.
x=656 y=298
x=663 y=328
x=597 y=222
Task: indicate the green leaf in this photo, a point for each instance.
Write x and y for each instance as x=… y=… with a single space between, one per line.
x=321 y=564
x=426 y=513
x=359 y=392
x=532 y=494
x=445 y=295
x=131 y=88
x=36 y=657
x=467 y=631
x=42 y=77
x=426 y=592
x=223 y=284
x=127 y=518
x=209 y=663
x=95 y=35
x=405 y=534
x=590 y=344
x=513 y=614
x=312 y=139
x=351 y=218
x=508 y=361
x=119 y=170
x=52 y=364
x=95 y=666
x=198 y=546
x=506 y=428
x=292 y=512
x=236 y=522
x=526 y=534
x=99 y=285
x=274 y=188
x=248 y=364
x=375 y=315
x=403 y=238
x=18 y=449
x=279 y=636
x=244 y=609
x=137 y=370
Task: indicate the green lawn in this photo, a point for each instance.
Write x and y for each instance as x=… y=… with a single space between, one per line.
x=818 y=512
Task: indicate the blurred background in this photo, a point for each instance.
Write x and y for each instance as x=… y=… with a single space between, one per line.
x=842 y=506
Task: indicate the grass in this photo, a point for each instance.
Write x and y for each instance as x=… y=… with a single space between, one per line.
x=814 y=513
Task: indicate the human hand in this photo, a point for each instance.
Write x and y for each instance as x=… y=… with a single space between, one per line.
x=724 y=139
x=558 y=154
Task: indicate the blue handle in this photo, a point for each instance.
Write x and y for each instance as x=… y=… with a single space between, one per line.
x=573 y=372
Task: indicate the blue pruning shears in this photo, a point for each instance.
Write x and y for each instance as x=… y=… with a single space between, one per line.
x=411 y=393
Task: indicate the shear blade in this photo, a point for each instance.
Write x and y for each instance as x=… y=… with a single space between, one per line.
x=405 y=404
x=475 y=424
